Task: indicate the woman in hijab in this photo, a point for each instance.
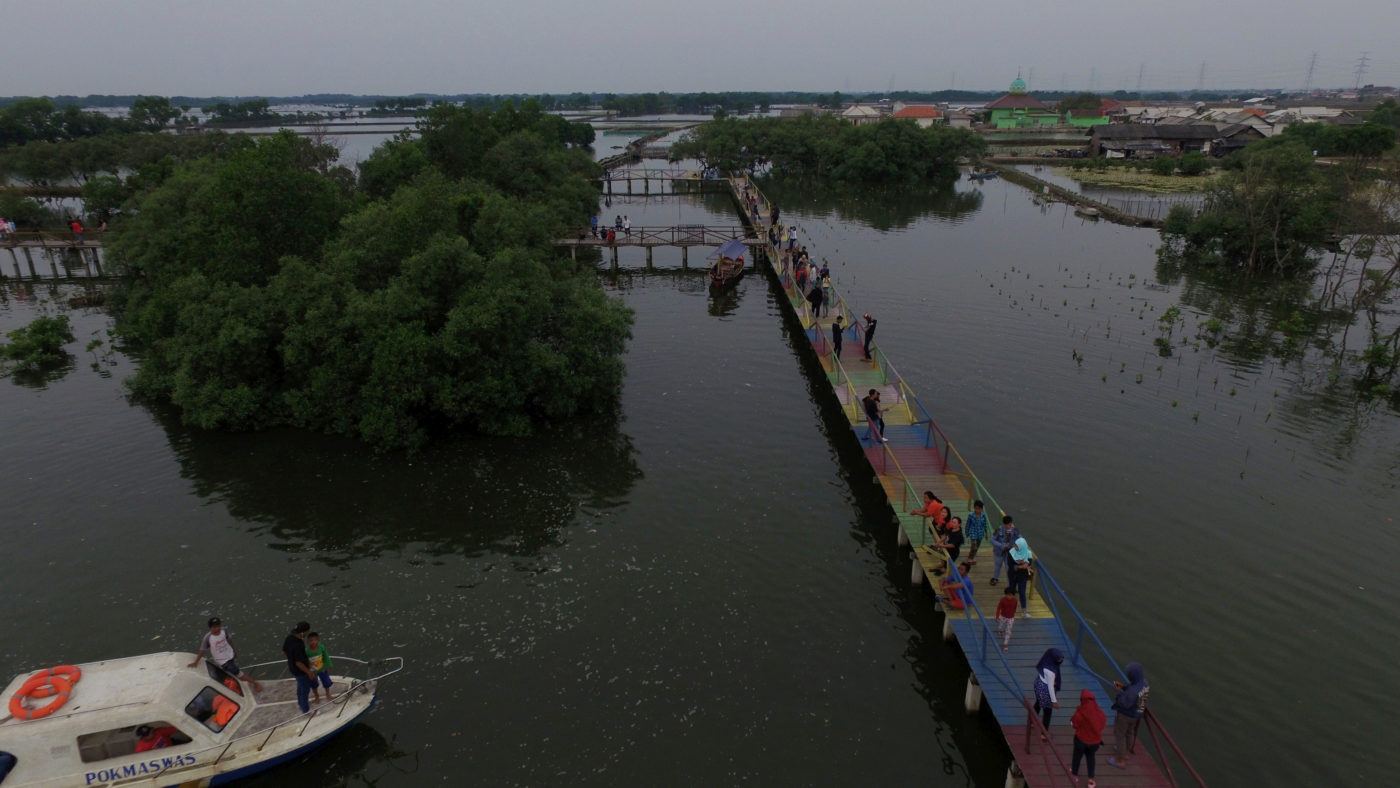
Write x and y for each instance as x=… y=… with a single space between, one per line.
x=1047 y=683
x=1020 y=560
x=1128 y=708
x=1088 y=722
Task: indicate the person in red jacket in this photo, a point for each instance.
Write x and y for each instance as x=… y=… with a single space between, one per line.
x=154 y=738
x=1088 y=722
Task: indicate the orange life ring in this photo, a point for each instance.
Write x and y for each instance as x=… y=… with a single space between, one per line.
x=45 y=689
x=57 y=686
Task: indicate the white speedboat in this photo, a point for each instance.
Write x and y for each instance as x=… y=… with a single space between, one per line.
x=77 y=725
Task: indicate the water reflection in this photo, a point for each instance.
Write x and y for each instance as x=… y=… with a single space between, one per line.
x=336 y=497
x=881 y=209
x=360 y=755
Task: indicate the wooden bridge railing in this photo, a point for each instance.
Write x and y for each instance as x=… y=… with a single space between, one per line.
x=92 y=237
x=678 y=235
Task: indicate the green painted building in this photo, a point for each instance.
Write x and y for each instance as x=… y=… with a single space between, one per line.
x=1020 y=110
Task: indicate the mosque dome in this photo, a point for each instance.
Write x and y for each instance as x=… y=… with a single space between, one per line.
x=1018 y=87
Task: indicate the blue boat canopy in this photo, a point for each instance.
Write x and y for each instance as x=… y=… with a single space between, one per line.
x=731 y=249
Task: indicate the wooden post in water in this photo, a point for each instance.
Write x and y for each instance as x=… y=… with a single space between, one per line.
x=685 y=257
x=648 y=257
x=614 y=256
x=948 y=633
x=1014 y=777
x=629 y=184
x=916 y=574
x=15 y=258
x=972 y=698
x=97 y=262
x=53 y=264
x=901 y=538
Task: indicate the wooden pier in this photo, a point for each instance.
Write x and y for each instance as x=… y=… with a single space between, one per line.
x=67 y=258
x=681 y=235
x=913 y=455
x=680 y=181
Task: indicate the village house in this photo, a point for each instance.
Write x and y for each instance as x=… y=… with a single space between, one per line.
x=958 y=119
x=861 y=114
x=1148 y=141
x=921 y=114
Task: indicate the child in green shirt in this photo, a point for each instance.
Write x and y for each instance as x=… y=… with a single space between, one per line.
x=320 y=661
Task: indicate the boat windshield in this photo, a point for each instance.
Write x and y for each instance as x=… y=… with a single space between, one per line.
x=212 y=709
x=224 y=677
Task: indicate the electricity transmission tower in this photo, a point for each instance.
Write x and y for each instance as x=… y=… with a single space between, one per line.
x=1312 y=66
x=1361 y=68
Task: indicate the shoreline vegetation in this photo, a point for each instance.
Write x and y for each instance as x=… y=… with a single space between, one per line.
x=1138 y=180
x=828 y=148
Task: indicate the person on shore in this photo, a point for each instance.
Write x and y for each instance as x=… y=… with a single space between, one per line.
x=218 y=644
x=1047 y=685
x=1129 y=706
x=816 y=297
x=836 y=331
x=298 y=665
x=1006 y=617
x=976 y=530
x=1002 y=541
x=1088 y=722
x=870 y=323
x=320 y=661
x=1021 y=566
x=876 y=433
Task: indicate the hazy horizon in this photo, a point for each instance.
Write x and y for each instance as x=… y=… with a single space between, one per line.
x=83 y=47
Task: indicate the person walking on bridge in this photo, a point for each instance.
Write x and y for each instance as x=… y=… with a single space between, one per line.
x=1047 y=686
x=836 y=331
x=1002 y=540
x=869 y=333
x=876 y=433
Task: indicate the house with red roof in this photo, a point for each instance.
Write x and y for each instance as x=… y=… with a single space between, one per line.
x=921 y=114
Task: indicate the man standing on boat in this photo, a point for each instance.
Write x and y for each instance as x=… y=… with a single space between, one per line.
x=299 y=665
x=218 y=644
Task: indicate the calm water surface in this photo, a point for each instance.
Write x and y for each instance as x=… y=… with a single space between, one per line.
x=699 y=587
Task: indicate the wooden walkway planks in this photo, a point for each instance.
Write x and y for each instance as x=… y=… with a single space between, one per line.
x=917 y=457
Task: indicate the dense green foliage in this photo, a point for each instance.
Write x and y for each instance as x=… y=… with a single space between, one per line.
x=1268 y=212
x=242 y=112
x=826 y=147
x=39 y=120
x=37 y=345
x=1366 y=140
x=269 y=289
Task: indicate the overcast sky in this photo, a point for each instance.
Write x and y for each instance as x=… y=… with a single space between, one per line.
x=291 y=47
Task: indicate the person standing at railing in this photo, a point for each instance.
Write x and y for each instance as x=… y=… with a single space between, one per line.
x=951 y=541
x=876 y=433
x=1129 y=707
x=826 y=290
x=1002 y=541
x=870 y=323
x=593 y=226
x=976 y=530
x=1047 y=685
x=627 y=226
x=1021 y=566
x=77 y=227
x=1088 y=722
x=836 y=331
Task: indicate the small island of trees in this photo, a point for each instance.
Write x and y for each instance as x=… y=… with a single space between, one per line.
x=268 y=286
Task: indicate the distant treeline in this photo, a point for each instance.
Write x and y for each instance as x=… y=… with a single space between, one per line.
x=628 y=102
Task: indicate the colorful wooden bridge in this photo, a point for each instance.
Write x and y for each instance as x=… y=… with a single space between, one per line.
x=915 y=456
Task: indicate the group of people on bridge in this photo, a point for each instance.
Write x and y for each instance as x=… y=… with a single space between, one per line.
x=1010 y=550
